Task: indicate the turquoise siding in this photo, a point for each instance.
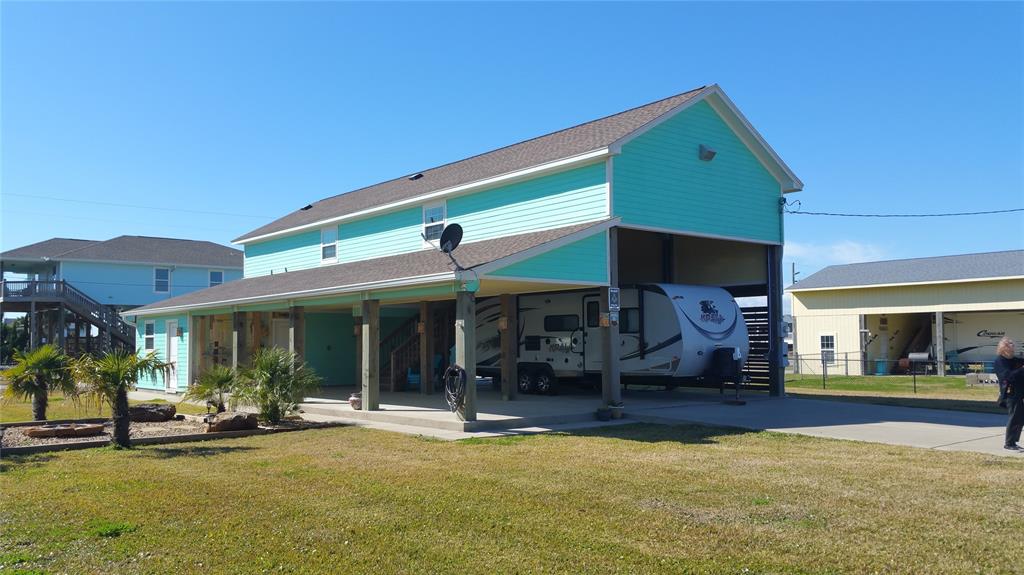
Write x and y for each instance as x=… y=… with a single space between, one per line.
x=132 y=284
x=296 y=252
x=659 y=181
x=584 y=261
x=160 y=345
x=331 y=343
x=562 y=199
x=384 y=235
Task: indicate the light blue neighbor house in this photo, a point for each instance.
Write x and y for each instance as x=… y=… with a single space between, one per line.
x=73 y=290
x=681 y=190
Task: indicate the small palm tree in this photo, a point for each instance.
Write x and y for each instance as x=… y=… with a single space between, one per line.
x=275 y=382
x=111 y=377
x=211 y=386
x=37 y=373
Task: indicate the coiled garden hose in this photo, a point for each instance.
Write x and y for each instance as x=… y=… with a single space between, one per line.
x=455 y=387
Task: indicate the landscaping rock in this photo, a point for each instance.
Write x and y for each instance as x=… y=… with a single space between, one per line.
x=64 y=430
x=152 y=412
x=231 y=421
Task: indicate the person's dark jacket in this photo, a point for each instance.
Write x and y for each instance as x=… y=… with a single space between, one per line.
x=1010 y=371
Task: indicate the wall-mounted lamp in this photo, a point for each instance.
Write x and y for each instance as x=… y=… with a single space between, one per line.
x=705 y=153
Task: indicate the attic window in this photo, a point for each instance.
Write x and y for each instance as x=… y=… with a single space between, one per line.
x=415 y=177
x=307 y=207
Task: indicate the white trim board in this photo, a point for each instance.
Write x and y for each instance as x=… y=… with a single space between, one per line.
x=504 y=179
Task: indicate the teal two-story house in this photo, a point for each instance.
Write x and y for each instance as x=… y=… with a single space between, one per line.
x=73 y=290
x=681 y=190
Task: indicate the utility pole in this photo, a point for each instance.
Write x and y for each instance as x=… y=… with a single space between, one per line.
x=793 y=272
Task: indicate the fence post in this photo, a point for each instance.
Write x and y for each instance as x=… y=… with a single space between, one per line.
x=824 y=370
x=846 y=363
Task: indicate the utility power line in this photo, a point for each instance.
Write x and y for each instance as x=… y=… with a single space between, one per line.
x=138 y=206
x=800 y=212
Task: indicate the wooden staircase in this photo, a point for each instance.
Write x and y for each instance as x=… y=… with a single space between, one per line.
x=49 y=295
x=400 y=349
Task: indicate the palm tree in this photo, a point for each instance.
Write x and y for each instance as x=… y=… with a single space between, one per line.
x=211 y=386
x=275 y=382
x=111 y=377
x=37 y=373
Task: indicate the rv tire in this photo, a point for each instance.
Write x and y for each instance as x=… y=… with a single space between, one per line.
x=545 y=381
x=527 y=380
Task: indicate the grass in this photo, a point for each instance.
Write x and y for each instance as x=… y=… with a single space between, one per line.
x=61 y=407
x=932 y=391
x=627 y=499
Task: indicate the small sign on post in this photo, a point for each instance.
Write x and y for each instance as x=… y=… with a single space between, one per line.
x=613 y=299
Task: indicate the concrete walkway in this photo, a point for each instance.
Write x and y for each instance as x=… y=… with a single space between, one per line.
x=915 y=427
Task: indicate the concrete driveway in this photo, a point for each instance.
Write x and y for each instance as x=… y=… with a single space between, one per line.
x=912 y=426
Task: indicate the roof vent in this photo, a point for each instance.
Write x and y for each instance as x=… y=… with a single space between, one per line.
x=415 y=177
x=307 y=207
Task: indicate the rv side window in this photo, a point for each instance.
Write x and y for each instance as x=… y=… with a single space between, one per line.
x=561 y=322
x=593 y=314
x=629 y=320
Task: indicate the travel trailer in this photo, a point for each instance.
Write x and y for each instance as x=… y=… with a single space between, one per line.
x=668 y=335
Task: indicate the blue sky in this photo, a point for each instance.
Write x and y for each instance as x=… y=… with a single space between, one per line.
x=255 y=109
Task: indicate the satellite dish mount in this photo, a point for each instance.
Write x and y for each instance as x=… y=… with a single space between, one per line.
x=450 y=239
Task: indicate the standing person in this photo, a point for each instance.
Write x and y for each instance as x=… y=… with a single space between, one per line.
x=1011 y=391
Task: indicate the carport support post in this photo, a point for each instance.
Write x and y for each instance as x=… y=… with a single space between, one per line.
x=611 y=389
x=426 y=351
x=370 y=375
x=296 y=331
x=940 y=345
x=237 y=338
x=61 y=329
x=509 y=346
x=465 y=347
x=33 y=327
x=776 y=372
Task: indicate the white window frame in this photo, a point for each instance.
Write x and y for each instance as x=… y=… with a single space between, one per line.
x=168 y=290
x=444 y=220
x=148 y=341
x=210 y=273
x=334 y=258
x=835 y=346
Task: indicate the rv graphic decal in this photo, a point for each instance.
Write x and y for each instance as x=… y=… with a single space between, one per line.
x=708 y=312
x=992 y=334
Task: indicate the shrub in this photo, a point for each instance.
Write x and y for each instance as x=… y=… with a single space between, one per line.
x=212 y=385
x=275 y=381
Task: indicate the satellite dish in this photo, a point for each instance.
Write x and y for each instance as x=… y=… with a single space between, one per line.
x=450 y=238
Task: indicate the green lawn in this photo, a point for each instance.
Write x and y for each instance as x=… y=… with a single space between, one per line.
x=63 y=408
x=932 y=391
x=630 y=499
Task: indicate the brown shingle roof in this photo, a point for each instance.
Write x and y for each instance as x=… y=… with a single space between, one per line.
x=159 y=250
x=566 y=143
x=50 y=248
x=335 y=278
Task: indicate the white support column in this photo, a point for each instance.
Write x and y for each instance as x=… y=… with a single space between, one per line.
x=940 y=345
x=370 y=375
x=465 y=347
x=426 y=329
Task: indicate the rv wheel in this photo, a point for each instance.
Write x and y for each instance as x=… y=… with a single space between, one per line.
x=527 y=383
x=545 y=382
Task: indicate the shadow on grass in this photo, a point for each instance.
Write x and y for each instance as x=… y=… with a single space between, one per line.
x=692 y=434
x=194 y=451
x=973 y=406
x=12 y=462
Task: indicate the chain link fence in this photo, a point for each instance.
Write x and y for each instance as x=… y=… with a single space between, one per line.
x=831 y=365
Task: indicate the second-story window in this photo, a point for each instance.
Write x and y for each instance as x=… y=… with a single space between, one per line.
x=329 y=244
x=161 y=280
x=216 y=277
x=433 y=221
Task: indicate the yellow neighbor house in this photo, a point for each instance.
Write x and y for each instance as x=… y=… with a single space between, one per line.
x=868 y=318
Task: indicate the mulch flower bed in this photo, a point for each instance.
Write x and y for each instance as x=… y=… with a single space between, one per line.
x=191 y=426
x=15 y=436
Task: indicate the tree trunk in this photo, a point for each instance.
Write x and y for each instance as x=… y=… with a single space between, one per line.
x=122 y=420
x=39 y=401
